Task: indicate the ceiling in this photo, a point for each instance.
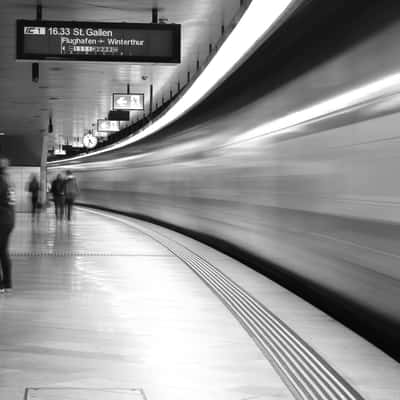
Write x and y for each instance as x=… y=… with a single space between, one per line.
x=77 y=94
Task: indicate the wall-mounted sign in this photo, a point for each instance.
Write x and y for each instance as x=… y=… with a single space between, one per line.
x=101 y=135
x=104 y=125
x=118 y=115
x=134 y=101
x=98 y=41
x=59 y=152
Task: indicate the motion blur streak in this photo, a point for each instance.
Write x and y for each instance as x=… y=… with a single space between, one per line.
x=370 y=92
x=317 y=209
x=100 y=164
x=252 y=27
x=381 y=88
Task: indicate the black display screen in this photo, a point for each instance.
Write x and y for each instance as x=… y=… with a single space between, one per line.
x=98 y=41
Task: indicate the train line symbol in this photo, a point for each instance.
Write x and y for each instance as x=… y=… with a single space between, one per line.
x=34 y=30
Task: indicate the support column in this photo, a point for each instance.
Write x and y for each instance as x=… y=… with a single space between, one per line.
x=43 y=169
x=151 y=100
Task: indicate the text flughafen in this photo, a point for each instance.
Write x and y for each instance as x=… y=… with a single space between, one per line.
x=90 y=36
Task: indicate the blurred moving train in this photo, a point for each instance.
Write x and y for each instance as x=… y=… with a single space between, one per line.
x=295 y=172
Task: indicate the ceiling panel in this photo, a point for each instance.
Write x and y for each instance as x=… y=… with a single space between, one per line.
x=79 y=93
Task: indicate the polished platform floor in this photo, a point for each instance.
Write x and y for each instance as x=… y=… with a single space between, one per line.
x=108 y=308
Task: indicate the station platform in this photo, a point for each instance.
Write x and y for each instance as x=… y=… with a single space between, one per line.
x=108 y=307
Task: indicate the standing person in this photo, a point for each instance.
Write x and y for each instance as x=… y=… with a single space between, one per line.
x=71 y=191
x=34 y=188
x=7 y=219
x=57 y=189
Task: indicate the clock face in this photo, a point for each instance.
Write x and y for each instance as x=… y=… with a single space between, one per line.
x=89 y=141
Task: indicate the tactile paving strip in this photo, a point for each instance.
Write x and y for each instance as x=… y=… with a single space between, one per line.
x=61 y=393
x=304 y=371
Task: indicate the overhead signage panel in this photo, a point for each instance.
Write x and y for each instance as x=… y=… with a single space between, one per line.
x=98 y=41
x=133 y=101
x=104 y=125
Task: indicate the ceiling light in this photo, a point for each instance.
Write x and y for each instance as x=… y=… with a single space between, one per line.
x=2 y=133
x=250 y=30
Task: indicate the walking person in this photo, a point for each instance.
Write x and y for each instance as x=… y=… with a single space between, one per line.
x=57 y=189
x=7 y=219
x=71 y=191
x=34 y=188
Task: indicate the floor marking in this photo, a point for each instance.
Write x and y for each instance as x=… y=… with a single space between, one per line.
x=307 y=375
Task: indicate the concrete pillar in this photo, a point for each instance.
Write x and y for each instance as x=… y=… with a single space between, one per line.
x=43 y=169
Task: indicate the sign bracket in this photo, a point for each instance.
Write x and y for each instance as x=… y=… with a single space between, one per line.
x=35 y=65
x=154 y=15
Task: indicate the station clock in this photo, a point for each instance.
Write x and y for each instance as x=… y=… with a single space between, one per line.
x=89 y=141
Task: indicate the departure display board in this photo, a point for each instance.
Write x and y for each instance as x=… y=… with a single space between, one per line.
x=98 y=41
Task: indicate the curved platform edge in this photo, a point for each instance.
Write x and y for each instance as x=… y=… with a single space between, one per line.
x=377 y=329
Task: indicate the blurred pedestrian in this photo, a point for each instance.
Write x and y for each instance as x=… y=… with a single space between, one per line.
x=71 y=191
x=57 y=189
x=7 y=218
x=48 y=191
x=34 y=188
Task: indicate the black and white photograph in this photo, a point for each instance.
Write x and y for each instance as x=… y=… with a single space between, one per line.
x=199 y=200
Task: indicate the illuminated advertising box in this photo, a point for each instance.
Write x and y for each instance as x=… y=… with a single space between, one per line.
x=104 y=125
x=98 y=41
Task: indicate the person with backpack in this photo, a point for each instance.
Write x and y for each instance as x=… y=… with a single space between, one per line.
x=7 y=220
x=34 y=188
x=71 y=191
x=57 y=190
